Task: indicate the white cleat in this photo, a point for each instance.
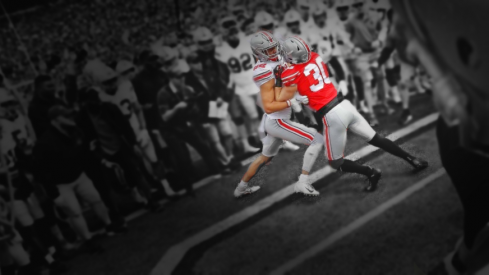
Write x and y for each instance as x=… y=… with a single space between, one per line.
x=289 y=146
x=305 y=188
x=239 y=191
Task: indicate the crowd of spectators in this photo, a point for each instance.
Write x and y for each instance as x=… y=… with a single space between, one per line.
x=99 y=98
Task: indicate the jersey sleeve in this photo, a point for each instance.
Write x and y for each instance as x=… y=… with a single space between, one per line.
x=262 y=73
x=289 y=76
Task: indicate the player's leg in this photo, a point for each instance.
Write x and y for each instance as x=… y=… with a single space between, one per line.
x=271 y=146
x=407 y=73
x=252 y=121
x=361 y=127
x=300 y=134
x=335 y=133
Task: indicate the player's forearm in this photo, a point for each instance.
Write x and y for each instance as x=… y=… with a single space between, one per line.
x=283 y=94
x=275 y=106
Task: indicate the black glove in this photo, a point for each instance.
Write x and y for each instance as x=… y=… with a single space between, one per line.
x=278 y=75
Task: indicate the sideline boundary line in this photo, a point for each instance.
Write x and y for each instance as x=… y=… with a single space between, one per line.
x=176 y=253
x=356 y=224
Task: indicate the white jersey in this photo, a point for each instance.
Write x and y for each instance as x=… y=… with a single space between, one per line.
x=262 y=73
x=240 y=64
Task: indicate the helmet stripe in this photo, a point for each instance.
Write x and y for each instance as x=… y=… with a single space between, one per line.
x=304 y=43
x=268 y=36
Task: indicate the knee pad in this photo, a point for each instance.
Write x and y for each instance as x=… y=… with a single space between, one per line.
x=336 y=164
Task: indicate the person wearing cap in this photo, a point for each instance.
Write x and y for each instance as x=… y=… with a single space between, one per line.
x=264 y=21
x=215 y=73
x=127 y=101
x=217 y=129
x=59 y=160
x=106 y=125
x=179 y=112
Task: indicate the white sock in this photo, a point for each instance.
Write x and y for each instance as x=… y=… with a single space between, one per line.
x=303 y=177
x=311 y=154
x=242 y=184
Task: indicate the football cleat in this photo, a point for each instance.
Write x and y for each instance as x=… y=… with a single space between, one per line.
x=373 y=180
x=418 y=163
x=239 y=191
x=305 y=188
x=406 y=117
x=289 y=146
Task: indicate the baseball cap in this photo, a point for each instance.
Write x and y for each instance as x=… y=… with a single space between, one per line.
x=202 y=34
x=124 y=66
x=166 y=53
x=263 y=18
x=98 y=71
x=180 y=67
x=292 y=16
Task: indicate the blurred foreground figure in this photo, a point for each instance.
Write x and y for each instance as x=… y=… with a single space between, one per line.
x=448 y=39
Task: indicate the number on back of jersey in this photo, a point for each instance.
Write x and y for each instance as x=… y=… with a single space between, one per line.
x=242 y=64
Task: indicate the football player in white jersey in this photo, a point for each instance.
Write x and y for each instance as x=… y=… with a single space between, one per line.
x=276 y=125
x=235 y=52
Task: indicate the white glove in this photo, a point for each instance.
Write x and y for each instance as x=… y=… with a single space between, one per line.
x=303 y=99
x=143 y=138
x=296 y=106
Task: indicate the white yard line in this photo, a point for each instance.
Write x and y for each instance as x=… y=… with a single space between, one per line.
x=345 y=231
x=175 y=254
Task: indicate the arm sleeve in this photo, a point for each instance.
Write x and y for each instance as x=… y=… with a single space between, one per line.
x=262 y=74
x=289 y=77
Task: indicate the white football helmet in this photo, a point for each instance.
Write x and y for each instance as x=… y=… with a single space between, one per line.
x=261 y=43
x=296 y=50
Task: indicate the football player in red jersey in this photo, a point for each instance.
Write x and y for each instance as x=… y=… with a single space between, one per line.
x=310 y=75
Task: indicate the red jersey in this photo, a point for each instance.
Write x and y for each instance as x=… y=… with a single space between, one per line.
x=312 y=80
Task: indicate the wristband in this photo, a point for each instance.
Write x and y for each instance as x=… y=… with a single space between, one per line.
x=288 y=103
x=278 y=82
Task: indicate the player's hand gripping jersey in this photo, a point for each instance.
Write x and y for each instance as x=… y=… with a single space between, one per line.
x=262 y=73
x=312 y=80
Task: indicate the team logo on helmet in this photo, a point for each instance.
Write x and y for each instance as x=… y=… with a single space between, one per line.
x=296 y=50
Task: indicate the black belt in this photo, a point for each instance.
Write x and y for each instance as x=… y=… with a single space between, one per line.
x=326 y=108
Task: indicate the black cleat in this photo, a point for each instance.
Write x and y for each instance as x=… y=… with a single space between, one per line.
x=417 y=163
x=373 y=180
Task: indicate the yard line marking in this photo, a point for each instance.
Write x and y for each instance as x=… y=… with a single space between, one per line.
x=175 y=254
x=343 y=232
